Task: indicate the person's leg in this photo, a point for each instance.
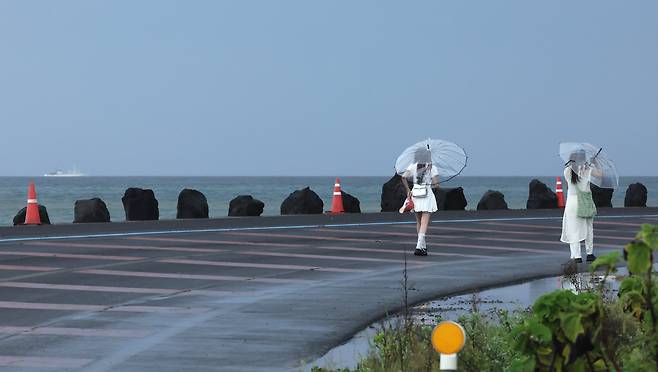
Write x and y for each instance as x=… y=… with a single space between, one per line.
x=422 y=230
x=419 y=217
x=424 y=222
x=575 y=250
x=589 y=240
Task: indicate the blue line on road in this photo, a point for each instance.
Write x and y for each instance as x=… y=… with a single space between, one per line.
x=265 y=228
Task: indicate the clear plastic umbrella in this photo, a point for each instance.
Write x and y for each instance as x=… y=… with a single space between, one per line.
x=448 y=158
x=576 y=155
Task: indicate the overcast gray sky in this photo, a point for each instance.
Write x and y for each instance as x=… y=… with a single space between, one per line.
x=323 y=87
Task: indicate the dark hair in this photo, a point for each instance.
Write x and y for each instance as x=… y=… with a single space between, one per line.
x=422 y=155
x=577 y=157
x=574 y=176
x=421 y=176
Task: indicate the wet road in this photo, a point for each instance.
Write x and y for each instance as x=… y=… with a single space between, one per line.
x=251 y=294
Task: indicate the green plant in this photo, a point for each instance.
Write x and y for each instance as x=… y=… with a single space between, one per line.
x=489 y=346
x=639 y=295
x=581 y=331
x=562 y=332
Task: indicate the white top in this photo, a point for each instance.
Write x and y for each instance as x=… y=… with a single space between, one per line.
x=427 y=203
x=412 y=172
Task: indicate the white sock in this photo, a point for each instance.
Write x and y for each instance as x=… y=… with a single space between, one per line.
x=421 y=241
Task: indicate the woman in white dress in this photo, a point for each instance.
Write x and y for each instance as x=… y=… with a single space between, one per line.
x=576 y=229
x=425 y=177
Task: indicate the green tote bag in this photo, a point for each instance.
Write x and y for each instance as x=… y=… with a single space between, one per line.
x=586 y=207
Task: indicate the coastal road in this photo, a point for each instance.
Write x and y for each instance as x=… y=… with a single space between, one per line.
x=252 y=294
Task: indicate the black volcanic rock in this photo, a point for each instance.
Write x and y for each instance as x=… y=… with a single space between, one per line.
x=191 y=204
x=492 y=200
x=450 y=199
x=140 y=205
x=350 y=203
x=393 y=194
x=602 y=197
x=19 y=219
x=636 y=195
x=245 y=205
x=90 y=210
x=540 y=196
x=304 y=201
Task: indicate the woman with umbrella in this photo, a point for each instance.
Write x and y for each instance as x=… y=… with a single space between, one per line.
x=423 y=163
x=579 y=211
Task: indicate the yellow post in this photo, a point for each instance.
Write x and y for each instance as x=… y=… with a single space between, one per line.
x=448 y=339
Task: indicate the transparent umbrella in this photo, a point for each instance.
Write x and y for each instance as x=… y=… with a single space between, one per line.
x=448 y=158
x=576 y=155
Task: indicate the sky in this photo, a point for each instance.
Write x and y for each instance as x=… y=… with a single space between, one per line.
x=336 y=88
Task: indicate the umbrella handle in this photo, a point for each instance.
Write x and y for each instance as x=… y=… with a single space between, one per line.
x=597 y=154
x=594 y=157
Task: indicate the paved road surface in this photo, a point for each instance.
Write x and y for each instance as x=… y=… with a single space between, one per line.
x=250 y=294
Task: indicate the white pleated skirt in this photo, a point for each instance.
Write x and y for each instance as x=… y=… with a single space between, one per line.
x=426 y=203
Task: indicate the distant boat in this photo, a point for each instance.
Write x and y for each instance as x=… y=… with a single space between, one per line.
x=60 y=173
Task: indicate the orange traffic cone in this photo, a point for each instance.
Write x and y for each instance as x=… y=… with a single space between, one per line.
x=559 y=192
x=337 y=201
x=32 y=213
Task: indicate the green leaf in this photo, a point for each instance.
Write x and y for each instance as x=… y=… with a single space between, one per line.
x=549 y=305
x=631 y=284
x=544 y=305
x=572 y=326
x=539 y=333
x=577 y=366
x=586 y=303
x=544 y=351
x=524 y=364
x=559 y=362
x=532 y=337
x=608 y=262
x=634 y=302
x=649 y=235
x=599 y=365
x=566 y=352
x=639 y=257
x=631 y=295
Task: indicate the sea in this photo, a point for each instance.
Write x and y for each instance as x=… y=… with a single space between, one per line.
x=59 y=194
